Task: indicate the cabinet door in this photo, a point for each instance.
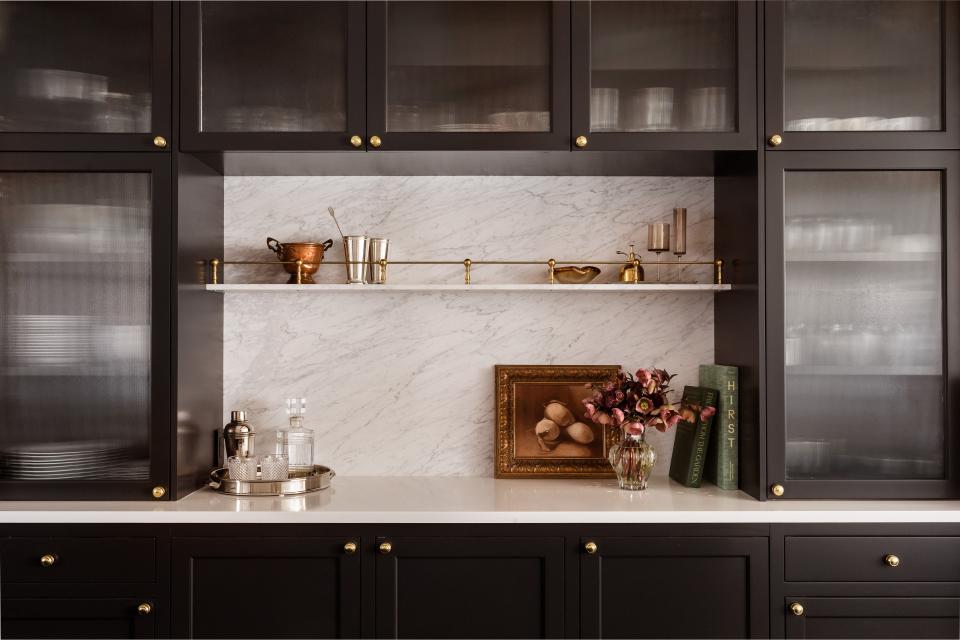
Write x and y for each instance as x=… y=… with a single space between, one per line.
x=79 y=618
x=470 y=588
x=862 y=323
x=871 y=618
x=291 y=588
x=272 y=75
x=469 y=75
x=664 y=75
x=85 y=347
x=859 y=74
x=674 y=588
x=85 y=76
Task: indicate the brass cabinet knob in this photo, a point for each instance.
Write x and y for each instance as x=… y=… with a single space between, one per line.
x=777 y=489
x=159 y=491
x=891 y=560
x=145 y=609
x=160 y=142
x=375 y=141
x=48 y=560
x=796 y=608
x=581 y=141
x=386 y=547
x=356 y=141
x=350 y=548
x=590 y=547
x=775 y=140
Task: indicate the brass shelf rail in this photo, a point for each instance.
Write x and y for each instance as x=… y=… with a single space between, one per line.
x=468 y=264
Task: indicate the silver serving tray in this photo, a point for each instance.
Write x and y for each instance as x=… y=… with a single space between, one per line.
x=315 y=481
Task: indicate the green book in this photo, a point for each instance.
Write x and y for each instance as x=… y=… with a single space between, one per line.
x=693 y=436
x=722 y=454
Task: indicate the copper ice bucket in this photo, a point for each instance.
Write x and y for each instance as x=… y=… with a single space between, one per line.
x=289 y=252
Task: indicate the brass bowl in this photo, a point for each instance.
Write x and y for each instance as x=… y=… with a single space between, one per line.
x=575 y=275
x=310 y=252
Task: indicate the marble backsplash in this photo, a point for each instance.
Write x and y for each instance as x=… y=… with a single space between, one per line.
x=402 y=383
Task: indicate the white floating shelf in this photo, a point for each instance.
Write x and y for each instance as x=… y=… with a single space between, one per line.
x=368 y=288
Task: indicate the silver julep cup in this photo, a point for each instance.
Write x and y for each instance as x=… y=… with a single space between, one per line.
x=355 y=255
x=376 y=252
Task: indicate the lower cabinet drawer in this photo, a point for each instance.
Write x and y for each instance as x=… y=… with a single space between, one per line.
x=871 y=559
x=79 y=618
x=76 y=560
x=872 y=618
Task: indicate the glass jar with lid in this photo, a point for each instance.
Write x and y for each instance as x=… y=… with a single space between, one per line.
x=296 y=442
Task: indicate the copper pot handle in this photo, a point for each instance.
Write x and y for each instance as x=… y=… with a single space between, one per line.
x=276 y=247
x=327 y=244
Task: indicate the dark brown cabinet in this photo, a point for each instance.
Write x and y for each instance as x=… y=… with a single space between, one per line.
x=664 y=75
x=273 y=75
x=301 y=587
x=468 y=75
x=476 y=587
x=91 y=76
x=632 y=587
x=80 y=618
x=872 y=617
x=860 y=317
x=85 y=362
x=860 y=74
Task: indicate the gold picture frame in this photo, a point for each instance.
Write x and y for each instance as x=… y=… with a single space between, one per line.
x=522 y=393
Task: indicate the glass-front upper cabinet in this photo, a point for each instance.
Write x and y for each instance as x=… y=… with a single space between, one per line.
x=85 y=75
x=272 y=75
x=860 y=74
x=84 y=326
x=468 y=75
x=664 y=75
x=862 y=323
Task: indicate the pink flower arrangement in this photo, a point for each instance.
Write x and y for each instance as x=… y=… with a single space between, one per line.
x=633 y=403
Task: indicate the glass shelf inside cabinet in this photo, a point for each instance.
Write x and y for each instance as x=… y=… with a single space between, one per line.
x=76 y=67
x=75 y=256
x=469 y=67
x=663 y=66
x=861 y=65
x=863 y=347
x=273 y=66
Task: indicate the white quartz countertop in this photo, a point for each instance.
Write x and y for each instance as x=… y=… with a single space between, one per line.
x=483 y=500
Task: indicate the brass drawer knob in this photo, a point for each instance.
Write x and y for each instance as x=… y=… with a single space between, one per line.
x=775 y=140
x=581 y=141
x=375 y=141
x=350 y=548
x=159 y=491
x=356 y=141
x=777 y=489
x=796 y=608
x=590 y=547
x=145 y=609
x=386 y=547
x=48 y=560
x=160 y=142
x=891 y=560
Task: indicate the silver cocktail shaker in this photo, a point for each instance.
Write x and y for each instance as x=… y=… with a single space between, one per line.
x=237 y=437
x=355 y=255
x=377 y=252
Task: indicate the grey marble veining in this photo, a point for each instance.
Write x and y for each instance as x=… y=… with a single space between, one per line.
x=402 y=383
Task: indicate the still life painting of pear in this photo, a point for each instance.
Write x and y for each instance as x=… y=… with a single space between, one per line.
x=548 y=425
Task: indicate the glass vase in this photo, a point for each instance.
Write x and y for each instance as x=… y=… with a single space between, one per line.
x=633 y=459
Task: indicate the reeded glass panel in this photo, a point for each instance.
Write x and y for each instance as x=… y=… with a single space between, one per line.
x=468 y=66
x=864 y=324
x=273 y=66
x=663 y=66
x=74 y=325
x=862 y=66
x=76 y=67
